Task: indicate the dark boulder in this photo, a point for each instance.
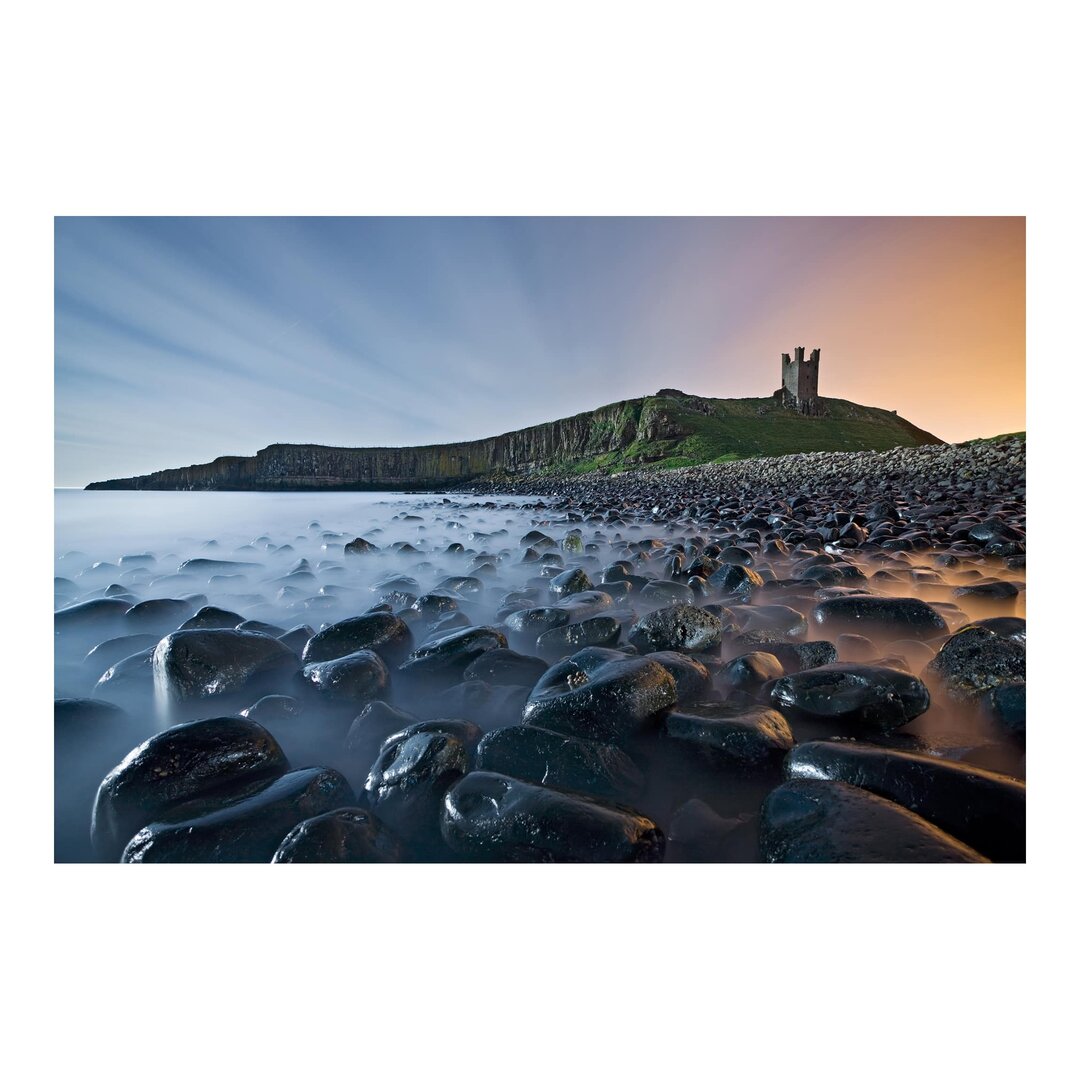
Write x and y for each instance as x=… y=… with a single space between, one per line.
x=751 y=671
x=882 y=698
x=975 y=660
x=213 y=618
x=828 y=821
x=569 y=582
x=886 y=617
x=444 y=659
x=1008 y=703
x=102 y=657
x=245 y=830
x=355 y=679
x=359 y=546
x=733 y=579
x=406 y=784
x=187 y=762
x=204 y=663
x=745 y=736
x=379 y=631
x=601 y=630
x=557 y=760
x=983 y=809
x=346 y=835
x=490 y=817
x=683 y=628
x=600 y=694
x=504 y=667
x=693 y=679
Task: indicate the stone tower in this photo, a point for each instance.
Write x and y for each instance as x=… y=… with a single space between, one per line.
x=799 y=382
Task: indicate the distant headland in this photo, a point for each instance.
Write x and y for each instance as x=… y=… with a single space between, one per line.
x=666 y=430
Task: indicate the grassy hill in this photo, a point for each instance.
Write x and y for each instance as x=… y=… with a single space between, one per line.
x=671 y=430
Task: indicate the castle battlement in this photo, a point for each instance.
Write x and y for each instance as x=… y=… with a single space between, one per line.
x=799 y=382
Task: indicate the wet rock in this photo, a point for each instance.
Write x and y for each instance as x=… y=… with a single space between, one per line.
x=504 y=667
x=988 y=590
x=274 y=709
x=346 y=835
x=571 y=581
x=297 y=638
x=444 y=659
x=745 y=736
x=886 y=617
x=212 y=618
x=984 y=809
x=558 y=760
x=204 y=663
x=878 y=697
x=185 y=763
x=733 y=579
x=1006 y=626
x=692 y=678
x=409 y=778
x=247 y=830
x=1008 y=704
x=666 y=593
x=101 y=657
x=490 y=817
x=160 y=615
x=768 y=624
x=380 y=632
x=802 y=657
x=530 y=623
x=976 y=660
x=683 y=628
x=129 y=682
x=354 y=679
x=91 y=616
x=601 y=630
x=359 y=546
x=751 y=671
x=600 y=694
x=833 y=822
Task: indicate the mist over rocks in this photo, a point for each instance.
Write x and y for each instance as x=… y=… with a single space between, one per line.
x=507 y=677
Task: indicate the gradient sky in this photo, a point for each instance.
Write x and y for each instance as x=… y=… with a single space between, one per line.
x=182 y=339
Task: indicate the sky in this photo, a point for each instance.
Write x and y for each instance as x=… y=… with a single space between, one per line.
x=178 y=340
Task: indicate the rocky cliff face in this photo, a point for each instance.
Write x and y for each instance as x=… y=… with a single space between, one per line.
x=286 y=466
x=633 y=432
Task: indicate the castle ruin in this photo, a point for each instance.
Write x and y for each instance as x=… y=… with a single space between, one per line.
x=799 y=383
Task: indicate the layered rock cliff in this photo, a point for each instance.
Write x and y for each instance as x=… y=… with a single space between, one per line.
x=670 y=428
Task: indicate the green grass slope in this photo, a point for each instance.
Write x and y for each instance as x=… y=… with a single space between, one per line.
x=675 y=430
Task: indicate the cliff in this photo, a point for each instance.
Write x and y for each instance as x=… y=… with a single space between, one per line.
x=667 y=430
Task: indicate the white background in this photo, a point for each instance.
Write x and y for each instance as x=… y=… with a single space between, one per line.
x=569 y=108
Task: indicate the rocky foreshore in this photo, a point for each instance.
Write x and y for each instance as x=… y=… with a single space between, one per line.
x=992 y=467
x=819 y=657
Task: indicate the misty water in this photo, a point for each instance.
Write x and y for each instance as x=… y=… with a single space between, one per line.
x=279 y=560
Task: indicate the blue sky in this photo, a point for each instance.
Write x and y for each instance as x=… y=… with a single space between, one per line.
x=182 y=339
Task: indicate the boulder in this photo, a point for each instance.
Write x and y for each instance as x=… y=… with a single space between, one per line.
x=985 y=810
x=207 y=758
x=495 y=818
x=245 y=830
x=833 y=822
